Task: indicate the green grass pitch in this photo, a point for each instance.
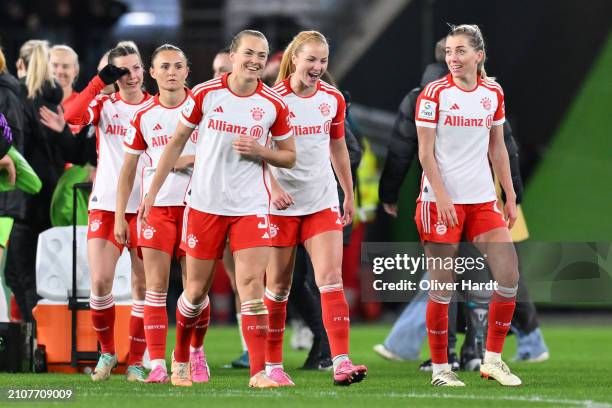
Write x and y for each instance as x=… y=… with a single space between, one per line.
x=577 y=375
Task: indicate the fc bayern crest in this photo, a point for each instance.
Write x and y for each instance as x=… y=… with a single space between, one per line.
x=486 y=103
x=325 y=109
x=257 y=113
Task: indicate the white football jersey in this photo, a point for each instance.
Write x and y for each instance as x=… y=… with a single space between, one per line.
x=224 y=182
x=463 y=121
x=151 y=130
x=314 y=120
x=112 y=116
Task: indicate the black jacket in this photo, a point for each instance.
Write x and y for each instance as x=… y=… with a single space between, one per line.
x=43 y=153
x=12 y=203
x=403 y=144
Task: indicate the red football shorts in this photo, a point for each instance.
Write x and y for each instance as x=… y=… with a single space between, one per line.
x=474 y=219
x=205 y=235
x=163 y=230
x=102 y=225
x=290 y=230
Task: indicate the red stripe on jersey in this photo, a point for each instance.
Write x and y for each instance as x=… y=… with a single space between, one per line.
x=281 y=89
x=147 y=106
x=435 y=90
x=429 y=86
x=269 y=94
x=494 y=86
x=212 y=82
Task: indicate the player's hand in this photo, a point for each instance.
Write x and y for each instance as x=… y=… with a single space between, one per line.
x=144 y=209
x=510 y=212
x=281 y=200
x=247 y=146
x=183 y=162
x=110 y=74
x=6 y=163
x=391 y=209
x=446 y=210
x=349 y=210
x=122 y=232
x=53 y=120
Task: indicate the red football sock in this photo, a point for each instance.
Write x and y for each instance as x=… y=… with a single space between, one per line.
x=156 y=324
x=277 y=314
x=138 y=343
x=501 y=310
x=103 y=318
x=436 y=319
x=199 y=331
x=255 y=331
x=187 y=316
x=336 y=320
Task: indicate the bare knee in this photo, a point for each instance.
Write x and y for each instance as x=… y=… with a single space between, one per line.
x=101 y=286
x=328 y=276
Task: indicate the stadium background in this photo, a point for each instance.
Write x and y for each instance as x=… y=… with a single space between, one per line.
x=553 y=59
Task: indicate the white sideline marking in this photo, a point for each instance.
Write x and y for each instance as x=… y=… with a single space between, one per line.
x=326 y=394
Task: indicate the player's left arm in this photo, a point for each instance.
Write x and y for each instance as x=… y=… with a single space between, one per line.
x=342 y=167
x=498 y=154
x=284 y=154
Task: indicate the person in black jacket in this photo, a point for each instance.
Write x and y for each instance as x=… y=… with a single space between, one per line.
x=37 y=88
x=12 y=203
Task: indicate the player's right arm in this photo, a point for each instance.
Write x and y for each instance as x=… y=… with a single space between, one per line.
x=444 y=204
x=81 y=111
x=426 y=120
x=171 y=153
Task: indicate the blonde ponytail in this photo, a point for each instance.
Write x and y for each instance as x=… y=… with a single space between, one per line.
x=35 y=56
x=2 y=62
x=287 y=68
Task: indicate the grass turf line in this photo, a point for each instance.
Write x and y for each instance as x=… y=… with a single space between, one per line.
x=574 y=377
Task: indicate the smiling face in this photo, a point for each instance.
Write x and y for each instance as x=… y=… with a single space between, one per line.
x=462 y=59
x=249 y=59
x=132 y=81
x=169 y=69
x=310 y=62
x=64 y=66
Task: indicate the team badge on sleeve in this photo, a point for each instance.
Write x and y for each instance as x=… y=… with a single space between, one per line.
x=188 y=107
x=130 y=135
x=427 y=110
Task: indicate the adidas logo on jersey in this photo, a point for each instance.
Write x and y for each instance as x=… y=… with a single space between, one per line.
x=218 y=109
x=157 y=127
x=455 y=107
x=291 y=114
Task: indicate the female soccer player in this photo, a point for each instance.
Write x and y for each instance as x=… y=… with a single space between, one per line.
x=151 y=129
x=111 y=115
x=459 y=121
x=228 y=194
x=313 y=217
